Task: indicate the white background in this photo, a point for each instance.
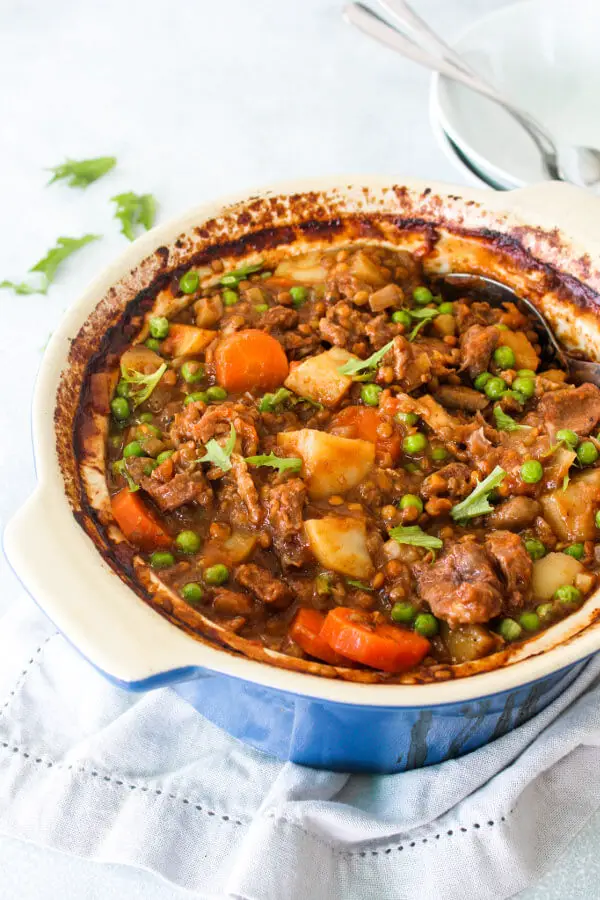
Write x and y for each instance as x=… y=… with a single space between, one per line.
x=195 y=99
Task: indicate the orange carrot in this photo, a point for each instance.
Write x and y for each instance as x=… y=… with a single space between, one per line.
x=305 y=630
x=362 y=422
x=250 y=360
x=382 y=647
x=139 y=524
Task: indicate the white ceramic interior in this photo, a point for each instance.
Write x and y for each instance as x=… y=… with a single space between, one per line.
x=121 y=635
x=543 y=54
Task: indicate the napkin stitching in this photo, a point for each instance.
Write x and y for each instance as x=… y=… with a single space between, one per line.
x=22 y=676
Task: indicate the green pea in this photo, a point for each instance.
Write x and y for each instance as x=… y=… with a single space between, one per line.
x=403 y=612
x=504 y=357
x=577 y=551
x=481 y=380
x=446 y=308
x=411 y=500
x=265 y=275
x=133 y=449
x=216 y=392
x=192 y=372
x=230 y=298
x=146 y=418
x=192 y=592
x=494 y=387
x=568 y=437
x=153 y=344
x=532 y=471
x=159 y=327
x=231 y=279
x=510 y=630
x=409 y=419
x=299 y=294
x=545 y=612
x=216 y=574
x=526 y=373
x=501 y=327
x=411 y=468
x=535 y=548
x=162 y=559
x=530 y=621
x=597 y=519
x=261 y=307
x=401 y=317
x=422 y=296
x=587 y=453
x=122 y=389
x=369 y=394
x=568 y=595
x=149 y=467
x=120 y=408
x=189 y=282
x=426 y=625
x=414 y=443
x=187 y=541
x=524 y=385
x=164 y=456
x=196 y=396
x=439 y=453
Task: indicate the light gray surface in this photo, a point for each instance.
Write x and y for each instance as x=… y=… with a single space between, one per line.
x=196 y=99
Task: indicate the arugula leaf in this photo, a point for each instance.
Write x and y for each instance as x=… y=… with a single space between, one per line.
x=220 y=456
x=414 y=534
x=134 y=209
x=359 y=584
x=425 y=316
x=65 y=246
x=120 y=468
x=145 y=383
x=566 y=480
x=477 y=503
x=504 y=422
x=234 y=278
x=356 y=365
x=281 y=463
x=22 y=287
x=82 y=172
x=268 y=402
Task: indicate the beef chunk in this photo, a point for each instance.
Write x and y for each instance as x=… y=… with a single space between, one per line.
x=574 y=408
x=182 y=488
x=509 y=552
x=279 y=317
x=285 y=503
x=380 y=331
x=453 y=480
x=263 y=585
x=514 y=514
x=232 y=603
x=477 y=345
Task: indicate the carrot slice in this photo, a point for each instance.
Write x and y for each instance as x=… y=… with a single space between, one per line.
x=305 y=630
x=385 y=647
x=139 y=524
x=363 y=422
x=249 y=360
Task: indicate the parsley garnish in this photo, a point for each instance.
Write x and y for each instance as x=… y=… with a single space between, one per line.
x=234 y=278
x=477 y=503
x=22 y=287
x=134 y=209
x=80 y=173
x=414 y=534
x=281 y=463
x=425 y=316
x=356 y=365
x=120 y=468
x=359 y=584
x=220 y=456
x=145 y=383
x=47 y=266
x=504 y=422
x=268 y=402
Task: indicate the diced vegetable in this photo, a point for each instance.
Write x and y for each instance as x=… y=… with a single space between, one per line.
x=319 y=378
x=468 y=642
x=553 y=571
x=306 y=268
x=137 y=522
x=390 y=295
x=332 y=464
x=305 y=631
x=187 y=340
x=382 y=647
x=340 y=543
x=250 y=360
x=231 y=550
x=570 y=512
x=521 y=346
x=365 y=269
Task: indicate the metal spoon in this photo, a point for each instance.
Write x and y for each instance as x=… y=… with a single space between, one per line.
x=578 y=165
x=495 y=293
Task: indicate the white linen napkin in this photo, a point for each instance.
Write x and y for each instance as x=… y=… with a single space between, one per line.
x=143 y=779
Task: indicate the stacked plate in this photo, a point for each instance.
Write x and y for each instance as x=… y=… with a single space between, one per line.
x=543 y=54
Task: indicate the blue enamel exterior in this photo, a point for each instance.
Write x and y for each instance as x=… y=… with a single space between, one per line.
x=370 y=739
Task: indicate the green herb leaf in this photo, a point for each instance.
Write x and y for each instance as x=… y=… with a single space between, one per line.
x=281 y=463
x=323 y=584
x=477 y=503
x=268 y=402
x=233 y=278
x=145 y=383
x=120 y=468
x=80 y=173
x=65 y=246
x=357 y=365
x=414 y=534
x=134 y=209
x=425 y=316
x=220 y=456
x=504 y=422
x=22 y=287
x=566 y=480
x=359 y=584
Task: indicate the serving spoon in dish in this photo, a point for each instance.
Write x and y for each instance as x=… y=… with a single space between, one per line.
x=575 y=164
x=495 y=293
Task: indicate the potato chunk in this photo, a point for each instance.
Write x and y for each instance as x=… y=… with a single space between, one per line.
x=306 y=268
x=186 y=340
x=551 y=572
x=340 y=543
x=319 y=379
x=331 y=464
x=571 y=513
x=521 y=346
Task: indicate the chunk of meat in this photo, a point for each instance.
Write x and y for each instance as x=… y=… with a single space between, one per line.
x=574 y=408
x=445 y=426
x=458 y=396
x=284 y=504
x=514 y=514
x=342 y=325
x=262 y=584
x=477 y=345
x=453 y=480
x=412 y=365
x=186 y=487
x=200 y=424
x=380 y=331
x=461 y=587
x=232 y=603
x=279 y=317
x=509 y=552
x=246 y=488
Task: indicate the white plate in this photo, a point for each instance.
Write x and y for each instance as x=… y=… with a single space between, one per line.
x=544 y=55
